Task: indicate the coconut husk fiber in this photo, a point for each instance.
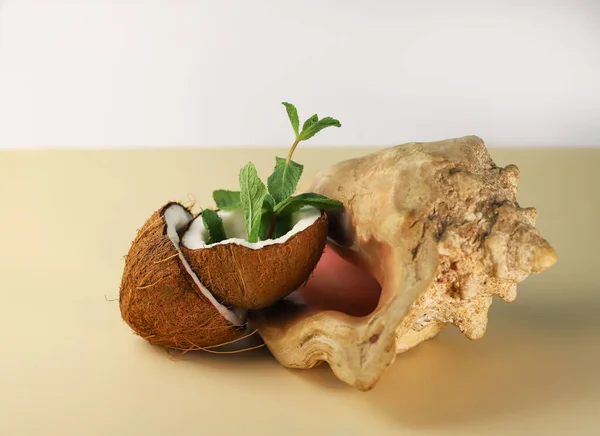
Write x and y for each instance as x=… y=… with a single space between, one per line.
x=256 y=278
x=158 y=298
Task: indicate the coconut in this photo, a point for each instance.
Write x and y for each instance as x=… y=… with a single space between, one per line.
x=255 y=275
x=162 y=299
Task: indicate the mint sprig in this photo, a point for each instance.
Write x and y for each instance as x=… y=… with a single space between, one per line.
x=310 y=128
x=284 y=180
x=268 y=209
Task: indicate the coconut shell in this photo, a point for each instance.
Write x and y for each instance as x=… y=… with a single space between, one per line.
x=158 y=298
x=256 y=278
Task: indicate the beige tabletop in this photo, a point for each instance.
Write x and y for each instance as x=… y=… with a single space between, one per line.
x=70 y=366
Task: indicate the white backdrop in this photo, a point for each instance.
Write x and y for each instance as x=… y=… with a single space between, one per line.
x=213 y=73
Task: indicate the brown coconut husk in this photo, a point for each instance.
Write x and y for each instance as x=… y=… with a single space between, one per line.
x=257 y=278
x=158 y=298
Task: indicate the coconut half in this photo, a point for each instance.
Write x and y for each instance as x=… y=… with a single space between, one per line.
x=254 y=275
x=162 y=299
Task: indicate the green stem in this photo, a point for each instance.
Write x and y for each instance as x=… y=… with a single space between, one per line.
x=289 y=156
x=271 y=226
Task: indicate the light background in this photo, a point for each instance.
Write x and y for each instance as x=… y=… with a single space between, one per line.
x=147 y=73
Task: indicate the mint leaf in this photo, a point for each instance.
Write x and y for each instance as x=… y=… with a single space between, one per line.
x=227 y=200
x=293 y=116
x=265 y=222
x=252 y=196
x=282 y=183
x=310 y=122
x=213 y=223
x=269 y=203
x=282 y=226
x=316 y=127
x=294 y=204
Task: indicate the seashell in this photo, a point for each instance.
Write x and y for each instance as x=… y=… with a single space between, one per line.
x=438 y=225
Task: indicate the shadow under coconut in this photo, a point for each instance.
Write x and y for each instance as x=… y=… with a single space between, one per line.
x=239 y=353
x=532 y=358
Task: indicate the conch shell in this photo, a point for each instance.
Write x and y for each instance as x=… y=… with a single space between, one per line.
x=438 y=225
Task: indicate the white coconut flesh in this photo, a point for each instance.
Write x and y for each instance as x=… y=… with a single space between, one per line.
x=235 y=229
x=177 y=218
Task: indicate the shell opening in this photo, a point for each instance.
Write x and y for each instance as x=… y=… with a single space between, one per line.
x=177 y=219
x=234 y=224
x=339 y=285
